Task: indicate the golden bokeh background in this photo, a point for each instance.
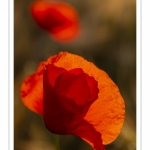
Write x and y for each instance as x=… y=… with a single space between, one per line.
x=107 y=38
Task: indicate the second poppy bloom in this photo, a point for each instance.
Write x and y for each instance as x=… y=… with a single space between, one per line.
x=58 y=18
x=75 y=97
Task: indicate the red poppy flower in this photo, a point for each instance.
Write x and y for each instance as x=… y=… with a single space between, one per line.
x=76 y=98
x=58 y=18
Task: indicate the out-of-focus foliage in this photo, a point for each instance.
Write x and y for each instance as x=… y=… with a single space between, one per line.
x=107 y=38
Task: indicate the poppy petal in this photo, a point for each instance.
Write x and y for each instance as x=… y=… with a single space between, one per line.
x=53 y=72
x=58 y=18
x=87 y=132
x=61 y=113
x=32 y=91
x=76 y=71
x=68 y=85
x=109 y=107
x=91 y=83
x=74 y=87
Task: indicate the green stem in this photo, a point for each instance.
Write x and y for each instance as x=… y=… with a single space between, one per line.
x=57 y=141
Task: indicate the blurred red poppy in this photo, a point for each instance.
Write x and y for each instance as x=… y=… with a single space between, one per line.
x=76 y=98
x=58 y=18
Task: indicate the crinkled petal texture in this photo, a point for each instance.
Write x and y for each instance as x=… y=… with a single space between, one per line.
x=92 y=117
x=58 y=18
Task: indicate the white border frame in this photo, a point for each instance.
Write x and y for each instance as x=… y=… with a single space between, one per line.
x=6 y=74
x=11 y=75
x=145 y=76
x=138 y=76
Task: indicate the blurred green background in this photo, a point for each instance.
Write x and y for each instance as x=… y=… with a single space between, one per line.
x=107 y=38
